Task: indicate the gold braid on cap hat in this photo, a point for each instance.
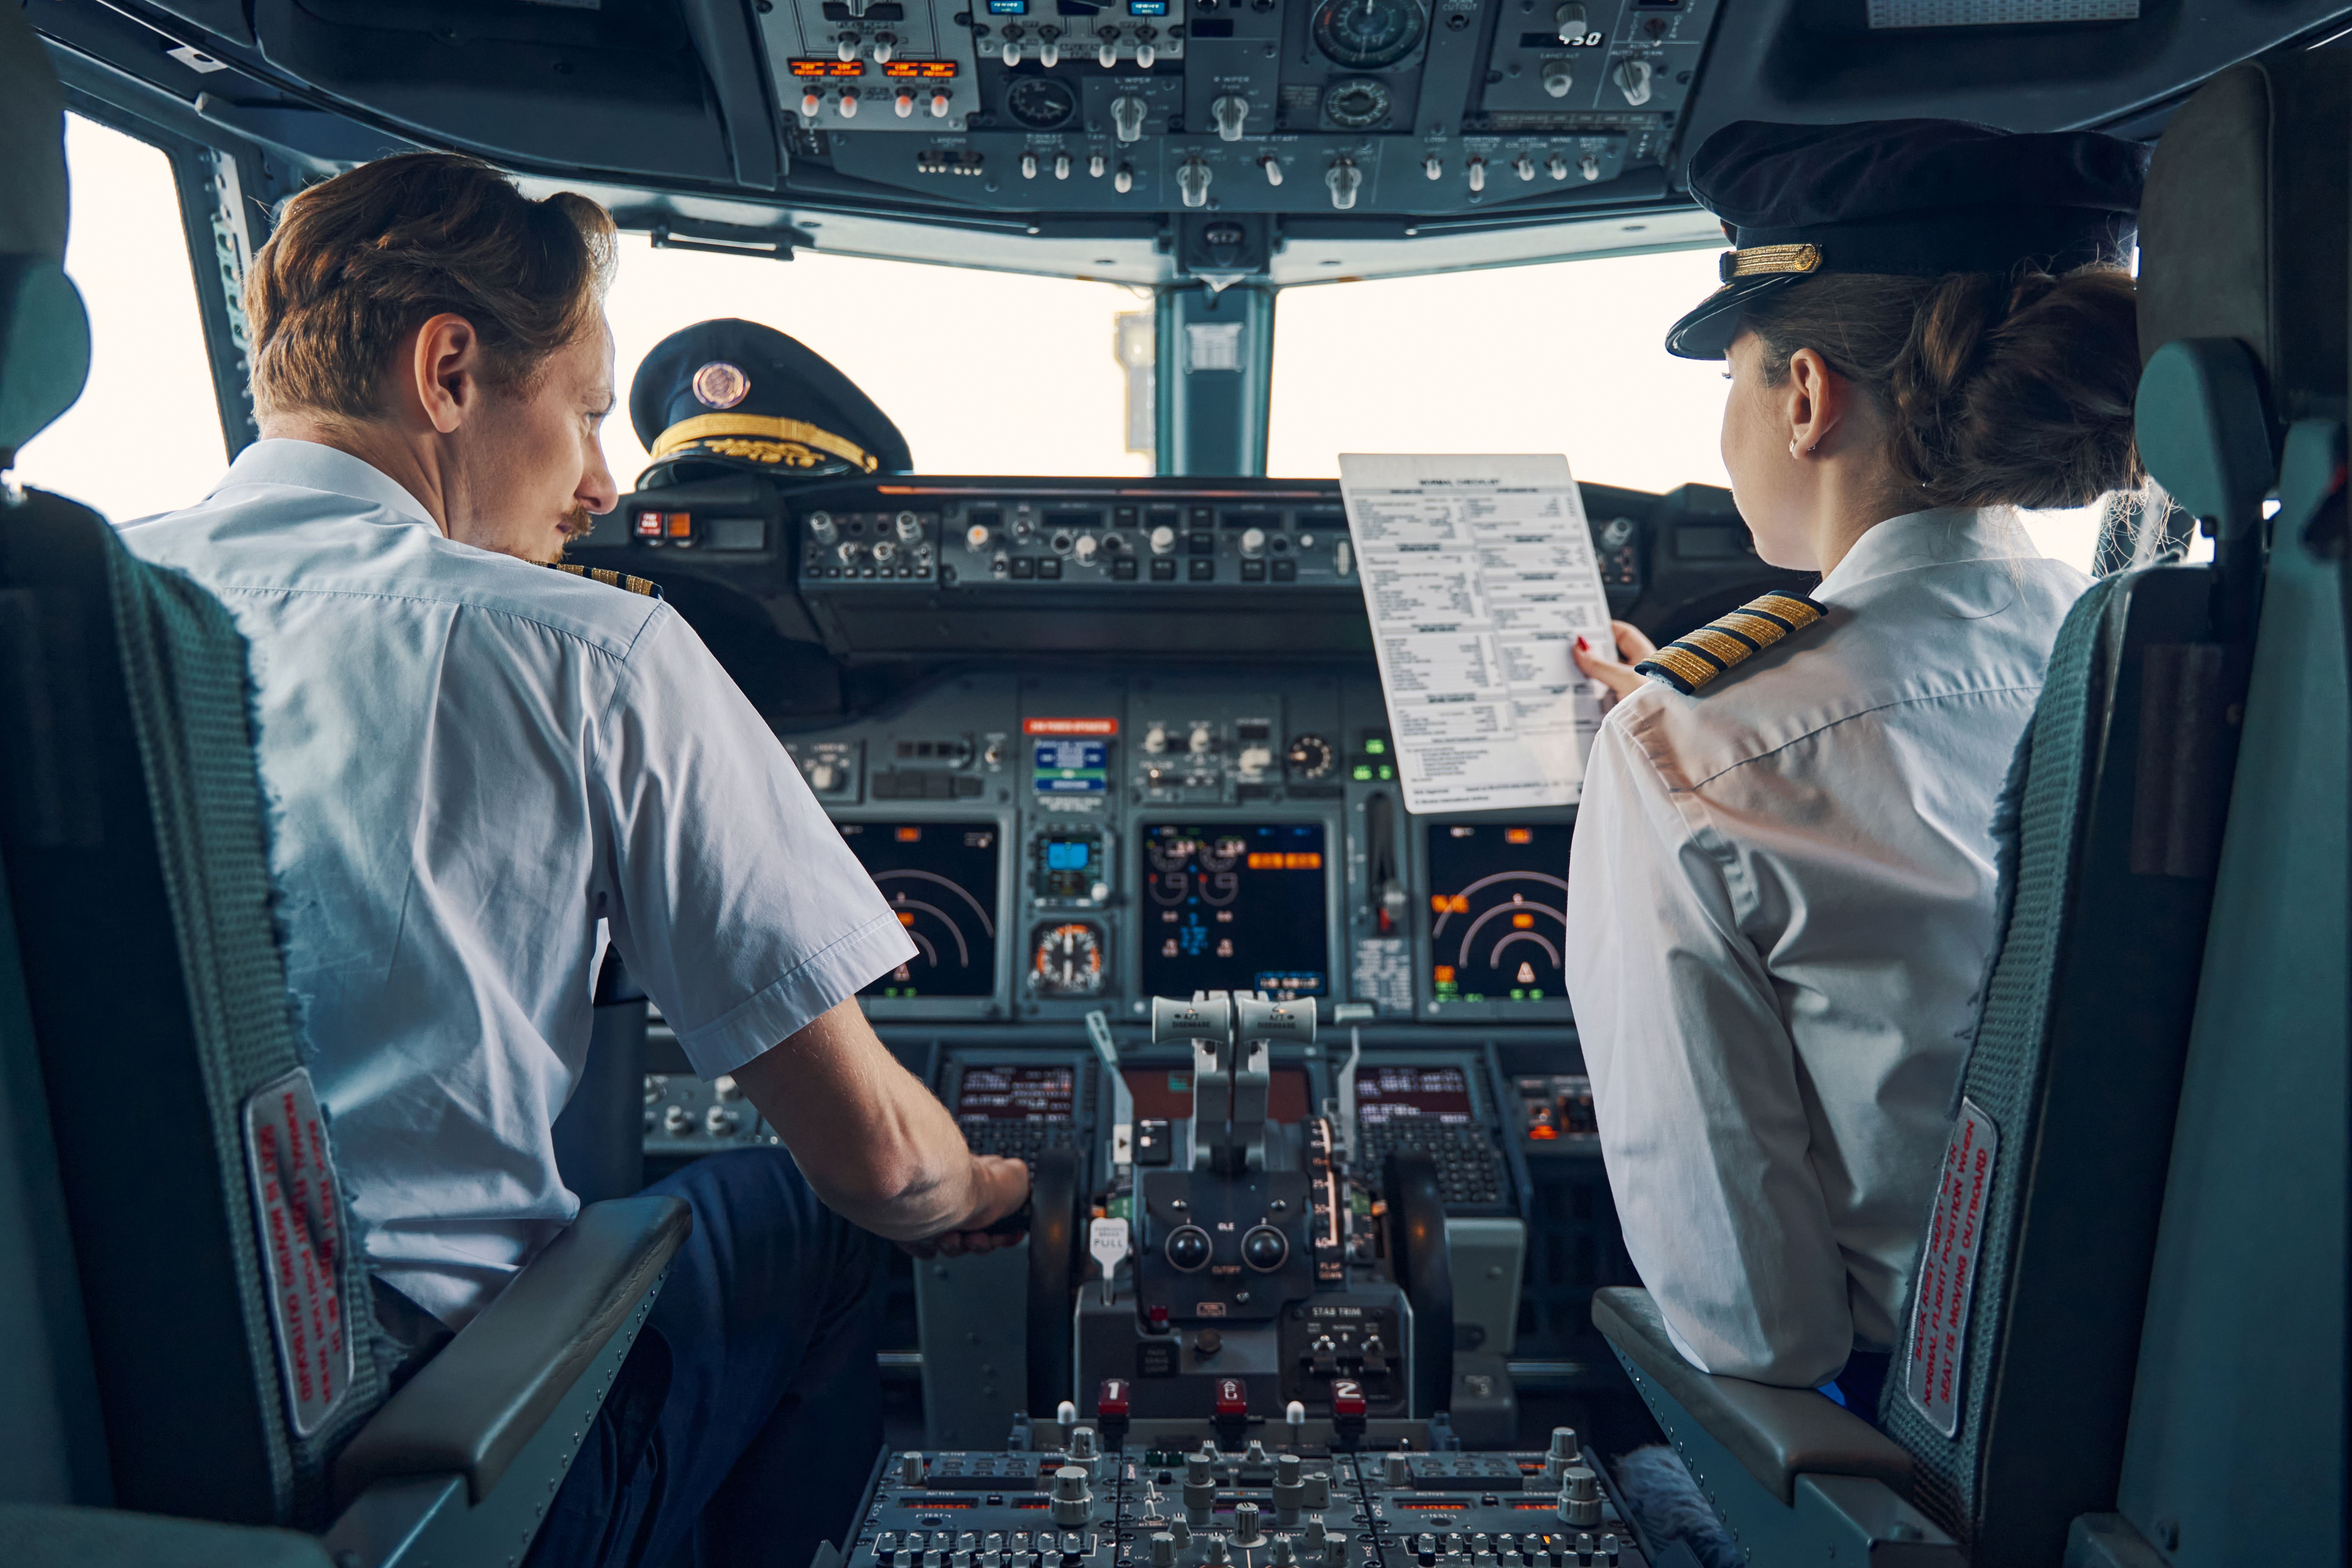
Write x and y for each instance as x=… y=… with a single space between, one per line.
x=750 y=434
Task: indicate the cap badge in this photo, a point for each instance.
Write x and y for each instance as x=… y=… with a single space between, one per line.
x=1761 y=260
x=721 y=385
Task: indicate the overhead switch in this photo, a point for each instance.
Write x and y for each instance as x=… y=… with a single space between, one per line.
x=1108 y=54
x=1049 y=51
x=884 y=46
x=1573 y=22
x=1124 y=181
x=1273 y=167
x=1590 y=167
x=1028 y=166
x=1343 y=180
x=1523 y=166
x=1433 y=167
x=848 y=108
x=939 y=105
x=904 y=103
x=1127 y=117
x=1227 y=113
x=1557 y=167
x=811 y=105
x=1061 y=165
x=1478 y=173
x=1633 y=80
x=1558 y=78
x=1192 y=182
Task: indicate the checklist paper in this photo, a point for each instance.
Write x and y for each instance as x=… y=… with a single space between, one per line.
x=1479 y=575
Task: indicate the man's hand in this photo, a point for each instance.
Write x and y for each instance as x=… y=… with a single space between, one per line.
x=878 y=1147
x=1616 y=673
x=1005 y=1184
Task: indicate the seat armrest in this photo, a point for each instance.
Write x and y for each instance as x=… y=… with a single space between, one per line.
x=472 y=1407
x=1776 y=1433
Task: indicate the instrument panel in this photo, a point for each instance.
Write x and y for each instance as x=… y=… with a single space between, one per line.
x=1058 y=843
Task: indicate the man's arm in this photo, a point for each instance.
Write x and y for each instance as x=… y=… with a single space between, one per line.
x=878 y=1147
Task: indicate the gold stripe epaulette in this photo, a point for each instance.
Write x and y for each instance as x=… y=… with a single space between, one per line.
x=611 y=578
x=1689 y=662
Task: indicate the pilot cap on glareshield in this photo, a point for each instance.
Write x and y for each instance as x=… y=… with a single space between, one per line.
x=1915 y=198
x=731 y=395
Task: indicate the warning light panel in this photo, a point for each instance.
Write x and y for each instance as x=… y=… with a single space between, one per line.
x=828 y=68
x=922 y=71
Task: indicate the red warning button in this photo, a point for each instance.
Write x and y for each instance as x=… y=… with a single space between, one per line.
x=1347 y=1397
x=1232 y=1396
x=1111 y=1399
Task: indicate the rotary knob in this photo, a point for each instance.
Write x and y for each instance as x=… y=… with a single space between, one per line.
x=1201 y=742
x=1558 y=79
x=677 y=1122
x=1155 y=739
x=1227 y=113
x=885 y=552
x=1343 y=180
x=1163 y=540
x=1253 y=542
x=907 y=526
x=1633 y=77
x=1188 y=1248
x=821 y=528
x=1192 y=182
x=1127 y=117
x=1571 y=21
x=1083 y=548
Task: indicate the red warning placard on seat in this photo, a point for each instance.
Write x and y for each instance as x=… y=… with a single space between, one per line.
x=1948 y=1269
x=299 y=1213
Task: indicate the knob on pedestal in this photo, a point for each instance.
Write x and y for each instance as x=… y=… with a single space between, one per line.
x=1187 y=1247
x=1073 y=1504
x=821 y=528
x=1245 y=1531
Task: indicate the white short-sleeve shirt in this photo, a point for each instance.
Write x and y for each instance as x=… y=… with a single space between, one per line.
x=1781 y=892
x=471 y=763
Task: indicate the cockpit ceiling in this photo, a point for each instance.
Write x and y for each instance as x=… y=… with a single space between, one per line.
x=1137 y=141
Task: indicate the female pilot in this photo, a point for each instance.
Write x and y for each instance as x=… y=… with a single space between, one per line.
x=1782 y=880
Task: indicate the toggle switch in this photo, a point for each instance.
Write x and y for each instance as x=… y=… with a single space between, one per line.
x=904 y=103
x=1590 y=167
x=1192 y=182
x=1123 y=180
x=811 y=105
x=1061 y=165
x=1524 y=167
x=884 y=46
x=940 y=104
x=1273 y=167
x=1028 y=166
x=1557 y=167
x=847 y=107
x=1633 y=77
x=1433 y=167
x=1478 y=173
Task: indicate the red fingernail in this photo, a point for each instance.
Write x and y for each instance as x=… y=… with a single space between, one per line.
x=1583 y=646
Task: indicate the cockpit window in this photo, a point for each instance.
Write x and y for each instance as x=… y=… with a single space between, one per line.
x=146 y=436
x=984 y=373
x=1564 y=357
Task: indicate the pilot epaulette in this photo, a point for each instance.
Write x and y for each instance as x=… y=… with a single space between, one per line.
x=613 y=579
x=1690 y=661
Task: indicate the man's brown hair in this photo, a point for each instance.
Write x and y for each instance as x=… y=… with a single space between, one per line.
x=360 y=261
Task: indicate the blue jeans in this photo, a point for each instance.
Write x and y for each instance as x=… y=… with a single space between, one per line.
x=748 y=1414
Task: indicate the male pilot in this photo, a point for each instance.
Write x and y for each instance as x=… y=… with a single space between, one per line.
x=478 y=767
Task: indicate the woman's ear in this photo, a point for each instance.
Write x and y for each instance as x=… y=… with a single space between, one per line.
x=1819 y=400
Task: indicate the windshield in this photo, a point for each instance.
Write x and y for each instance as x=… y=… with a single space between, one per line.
x=992 y=373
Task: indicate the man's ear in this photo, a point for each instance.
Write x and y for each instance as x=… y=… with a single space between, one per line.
x=446 y=372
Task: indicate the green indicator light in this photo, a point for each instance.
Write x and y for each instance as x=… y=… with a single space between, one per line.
x=1375 y=747
x=1364 y=775
x=1387 y=771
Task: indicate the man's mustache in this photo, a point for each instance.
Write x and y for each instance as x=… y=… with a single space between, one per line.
x=576 y=523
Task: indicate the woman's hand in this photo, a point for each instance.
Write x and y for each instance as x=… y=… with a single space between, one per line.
x=1616 y=674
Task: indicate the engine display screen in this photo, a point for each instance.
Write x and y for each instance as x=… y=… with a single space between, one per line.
x=941 y=878
x=1234 y=906
x=1166 y=1094
x=1402 y=1093
x=1015 y=1094
x=1498 y=912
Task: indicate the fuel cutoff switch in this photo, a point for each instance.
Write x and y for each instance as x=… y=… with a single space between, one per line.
x=1187 y=1247
x=1265 y=1248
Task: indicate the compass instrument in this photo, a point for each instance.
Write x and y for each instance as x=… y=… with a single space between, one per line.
x=1367 y=35
x=1067 y=960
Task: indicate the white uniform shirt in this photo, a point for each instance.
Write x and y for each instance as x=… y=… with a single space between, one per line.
x=471 y=761
x=1781 y=894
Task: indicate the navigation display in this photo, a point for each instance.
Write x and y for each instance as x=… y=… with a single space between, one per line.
x=1234 y=906
x=1015 y=1094
x=1498 y=912
x=940 y=878
x=1403 y=1093
x=1165 y=1094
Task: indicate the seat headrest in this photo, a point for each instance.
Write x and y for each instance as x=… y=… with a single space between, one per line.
x=2246 y=228
x=44 y=332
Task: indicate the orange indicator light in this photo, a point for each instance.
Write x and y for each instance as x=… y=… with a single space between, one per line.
x=1522 y=922
x=910 y=836
x=1518 y=836
x=1287 y=860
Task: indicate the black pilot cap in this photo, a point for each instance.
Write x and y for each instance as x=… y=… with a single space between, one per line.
x=742 y=395
x=1917 y=198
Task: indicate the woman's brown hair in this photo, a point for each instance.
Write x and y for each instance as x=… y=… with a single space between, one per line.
x=360 y=261
x=1996 y=390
